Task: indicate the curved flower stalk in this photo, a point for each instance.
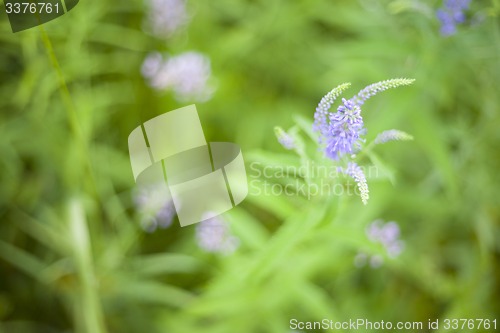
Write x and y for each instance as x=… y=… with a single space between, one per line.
x=355 y=172
x=375 y=88
x=343 y=133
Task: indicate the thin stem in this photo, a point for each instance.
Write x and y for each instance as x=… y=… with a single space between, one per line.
x=366 y=150
x=70 y=108
x=66 y=97
x=89 y=307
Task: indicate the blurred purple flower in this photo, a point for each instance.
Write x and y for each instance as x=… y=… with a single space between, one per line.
x=152 y=64
x=214 y=235
x=187 y=75
x=451 y=14
x=165 y=17
x=166 y=214
x=387 y=234
x=340 y=133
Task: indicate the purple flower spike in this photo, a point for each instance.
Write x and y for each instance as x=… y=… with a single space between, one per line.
x=344 y=131
x=341 y=132
x=355 y=172
x=375 y=88
x=284 y=138
x=187 y=75
x=166 y=17
x=373 y=231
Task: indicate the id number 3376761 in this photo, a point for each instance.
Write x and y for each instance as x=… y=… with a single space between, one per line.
x=31 y=8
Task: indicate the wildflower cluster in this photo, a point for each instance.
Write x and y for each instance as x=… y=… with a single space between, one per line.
x=451 y=14
x=375 y=88
x=157 y=211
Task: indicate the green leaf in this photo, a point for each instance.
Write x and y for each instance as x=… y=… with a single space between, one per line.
x=247 y=228
x=306 y=125
x=144 y=291
x=44 y=233
x=22 y=260
x=381 y=170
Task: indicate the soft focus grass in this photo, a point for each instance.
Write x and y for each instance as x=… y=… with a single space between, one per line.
x=73 y=257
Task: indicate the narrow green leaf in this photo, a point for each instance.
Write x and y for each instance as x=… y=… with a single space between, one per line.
x=22 y=260
x=144 y=291
x=163 y=263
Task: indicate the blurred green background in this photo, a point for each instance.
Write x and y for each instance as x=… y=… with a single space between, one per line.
x=73 y=255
